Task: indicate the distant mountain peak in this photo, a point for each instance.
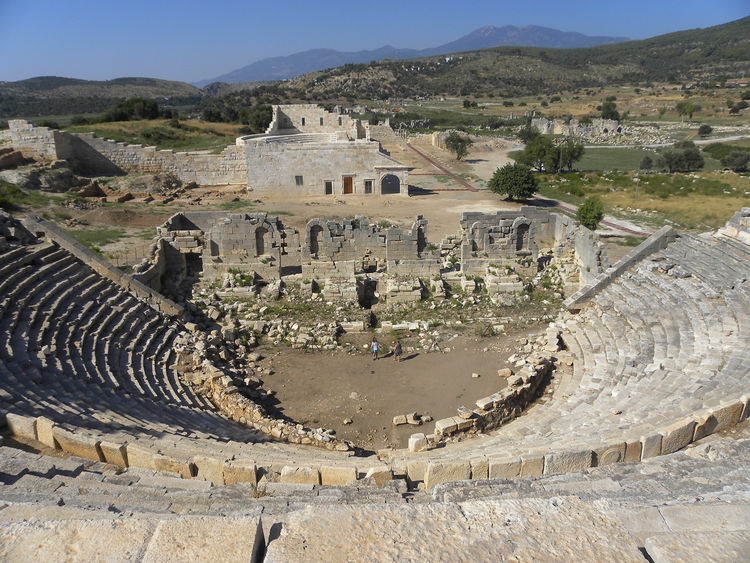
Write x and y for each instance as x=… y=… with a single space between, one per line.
x=279 y=68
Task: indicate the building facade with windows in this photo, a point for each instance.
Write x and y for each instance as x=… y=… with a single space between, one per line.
x=307 y=150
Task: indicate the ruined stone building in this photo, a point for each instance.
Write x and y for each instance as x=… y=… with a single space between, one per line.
x=306 y=150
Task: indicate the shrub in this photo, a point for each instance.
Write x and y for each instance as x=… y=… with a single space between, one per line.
x=705 y=130
x=647 y=163
x=736 y=160
x=590 y=213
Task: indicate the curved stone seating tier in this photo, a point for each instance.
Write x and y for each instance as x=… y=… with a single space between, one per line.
x=656 y=353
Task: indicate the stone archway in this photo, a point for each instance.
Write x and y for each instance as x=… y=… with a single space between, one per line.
x=315 y=239
x=260 y=241
x=390 y=184
x=522 y=237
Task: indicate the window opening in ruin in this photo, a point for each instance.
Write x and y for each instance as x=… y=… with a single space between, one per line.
x=321 y=121
x=329 y=187
x=260 y=241
x=298 y=180
x=348 y=185
x=390 y=184
x=340 y=122
x=368 y=186
x=522 y=238
x=366 y=289
x=303 y=122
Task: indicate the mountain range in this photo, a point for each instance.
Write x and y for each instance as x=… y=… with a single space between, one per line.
x=279 y=68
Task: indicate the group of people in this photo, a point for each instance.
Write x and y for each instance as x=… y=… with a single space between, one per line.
x=375 y=347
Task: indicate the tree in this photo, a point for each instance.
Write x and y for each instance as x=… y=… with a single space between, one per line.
x=541 y=154
x=527 y=133
x=609 y=110
x=514 y=180
x=590 y=213
x=647 y=163
x=683 y=158
x=570 y=152
x=705 y=130
x=458 y=145
x=686 y=108
x=736 y=161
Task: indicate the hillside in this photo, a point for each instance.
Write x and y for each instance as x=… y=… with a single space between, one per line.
x=279 y=68
x=708 y=53
x=49 y=95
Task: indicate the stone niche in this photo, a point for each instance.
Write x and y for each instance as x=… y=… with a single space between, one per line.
x=499 y=238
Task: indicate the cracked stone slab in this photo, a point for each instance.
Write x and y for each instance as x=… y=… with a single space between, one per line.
x=558 y=529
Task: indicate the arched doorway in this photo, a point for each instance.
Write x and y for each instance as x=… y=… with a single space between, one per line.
x=260 y=241
x=390 y=184
x=316 y=238
x=522 y=237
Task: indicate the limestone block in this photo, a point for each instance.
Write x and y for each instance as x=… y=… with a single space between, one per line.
x=138 y=456
x=168 y=463
x=116 y=454
x=335 y=475
x=463 y=423
x=632 y=451
x=210 y=468
x=417 y=442
x=77 y=444
x=677 y=436
x=75 y=540
x=532 y=465
x=21 y=426
x=567 y=461
x=485 y=403
x=446 y=426
x=609 y=453
x=728 y=414
x=504 y=468
x=240 y=471
x=300 y=475
x=205 y=538
x=698 y=546
x=650 y=446
x=480 y=468
x=416 y=470
x=44 y=427
x=446 y=471
x=380 y=475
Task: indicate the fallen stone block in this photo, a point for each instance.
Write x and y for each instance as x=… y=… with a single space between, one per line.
x=417 y=442
x=240 y=471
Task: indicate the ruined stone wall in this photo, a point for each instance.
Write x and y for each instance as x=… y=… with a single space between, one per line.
x=280 y=165
x=576 y=129
x=589 y=250
x=90 y=153
x=311 y=118
x=738 y=226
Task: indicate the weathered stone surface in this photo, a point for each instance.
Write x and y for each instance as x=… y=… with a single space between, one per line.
x=567 y=461
x=77 y=444
x=467 y=531
x=22 y=426
x=240 y=471
x=480 y=468
x=75 y=540
x=417 y=442
x=610 y=453
x=445 y=471
x=532 y=465
x=301 y=475
x=380 y=475
x=504 y=468
x=138 y=456
x=336 y=475
x=209 y=468
x=206 y=538
x=116 y=454
x=677 y=436
x=650 y=446
x=707 y=517
x=44 y=434
x=698 y=546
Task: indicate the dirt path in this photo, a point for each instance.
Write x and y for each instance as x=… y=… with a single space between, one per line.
x=444 y=170
x=325 y=388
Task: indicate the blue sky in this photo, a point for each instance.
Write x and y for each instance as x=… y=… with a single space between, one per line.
x=191 y=40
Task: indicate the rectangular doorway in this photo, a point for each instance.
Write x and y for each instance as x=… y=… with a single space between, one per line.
x=348 y=185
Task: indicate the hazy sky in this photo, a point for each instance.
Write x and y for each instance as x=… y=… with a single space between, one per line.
x=192 y=40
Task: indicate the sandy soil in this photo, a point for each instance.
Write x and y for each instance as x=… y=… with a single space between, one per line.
x=322 y=389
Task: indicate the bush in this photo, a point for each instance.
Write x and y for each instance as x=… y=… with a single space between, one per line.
x=590 y=213
x=527 y=133
x=79 y=120
x=647 y=163
x=736 y=161
x=514 y=180
x=705 y=130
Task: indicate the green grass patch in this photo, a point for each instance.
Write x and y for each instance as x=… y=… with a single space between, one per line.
x=629 y=240
x=604 y=159
x=95 y=238
x=233 y=205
